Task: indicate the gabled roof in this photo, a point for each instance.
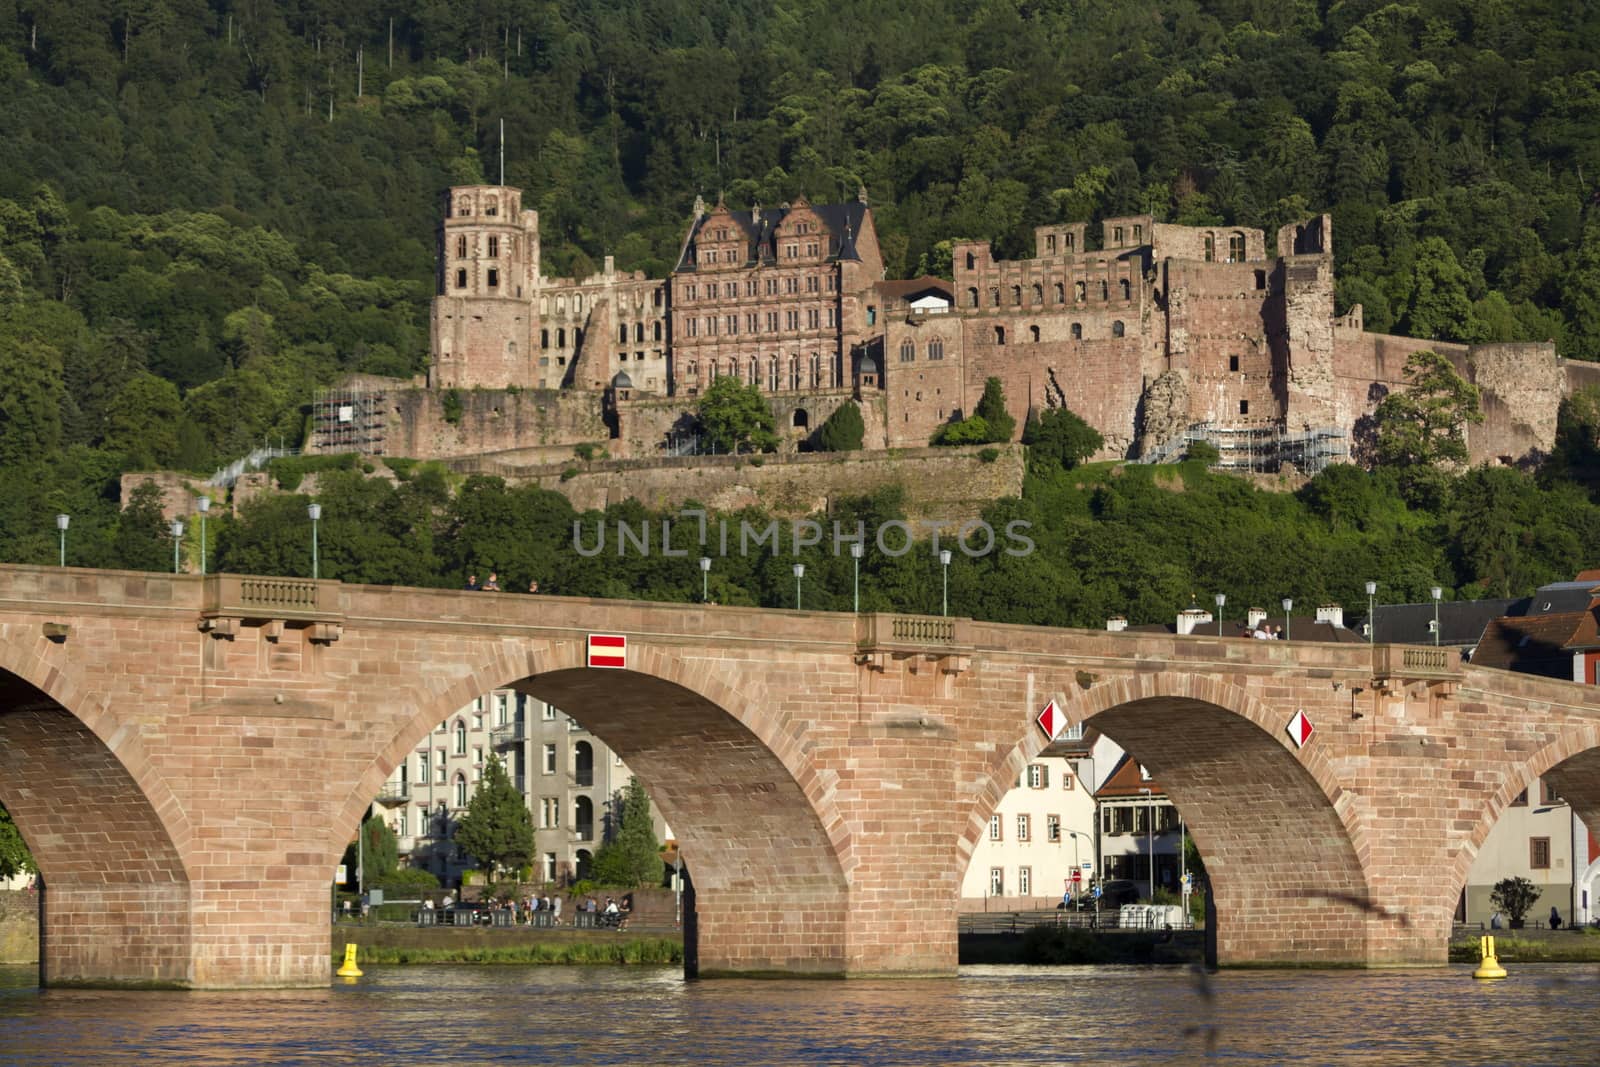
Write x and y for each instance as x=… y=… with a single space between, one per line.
x=1537 y=644
x=843 y=221
x=912 y=288
x=1126 y=781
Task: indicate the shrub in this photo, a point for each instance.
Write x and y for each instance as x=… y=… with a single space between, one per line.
x=1062 y=944
x=290 y=471
x=587 y=451
x=569 y=474
x=452 y=406
x=1204 y=452
x=988 y=455
x=843 y=431
x=973 y=431
x=1515 y=896
x=403 y=468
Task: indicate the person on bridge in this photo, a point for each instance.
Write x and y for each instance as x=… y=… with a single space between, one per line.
x=493 y=584
x=472 y=582
x=533 y=585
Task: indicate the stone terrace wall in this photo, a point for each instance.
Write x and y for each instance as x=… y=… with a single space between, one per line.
x=533 y=421
x=19 y=926
x=947 y=482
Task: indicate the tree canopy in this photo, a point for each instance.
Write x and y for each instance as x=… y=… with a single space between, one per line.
x=736 y=417
x=633 y=855
x=497 y=829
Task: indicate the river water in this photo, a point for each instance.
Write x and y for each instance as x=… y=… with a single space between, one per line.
x=989 y=1015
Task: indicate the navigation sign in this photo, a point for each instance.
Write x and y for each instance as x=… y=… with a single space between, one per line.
x=608 y=650
x=1052 y=720
x=1088 y=866
x=1300 y=729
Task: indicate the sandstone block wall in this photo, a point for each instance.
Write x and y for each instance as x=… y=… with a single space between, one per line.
x=19 y=926
x=492 y=420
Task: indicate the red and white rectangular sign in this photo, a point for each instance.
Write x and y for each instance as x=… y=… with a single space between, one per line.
x=608 y=650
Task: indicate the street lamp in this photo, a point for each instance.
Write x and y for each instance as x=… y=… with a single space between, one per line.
x=799 y=573
x=857 y=550
x=315 y=512
x=1372 y=613
x=944 y=561
x=62 y=522
x=1221 y=598
x=1288 y=626
x=705 y=578
x=1149 y=834
x=177 y=542
x=203 y=505
x=1437 y=593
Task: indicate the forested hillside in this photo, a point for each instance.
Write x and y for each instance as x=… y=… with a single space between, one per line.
x=201 y=220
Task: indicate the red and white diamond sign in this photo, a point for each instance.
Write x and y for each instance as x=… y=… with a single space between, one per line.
x=1052 y=720
x=608 y=650
x=1300 y=729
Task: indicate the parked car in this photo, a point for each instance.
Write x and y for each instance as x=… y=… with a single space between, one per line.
x=1117 y=892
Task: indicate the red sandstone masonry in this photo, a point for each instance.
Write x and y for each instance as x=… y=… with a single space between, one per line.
x=827 y=785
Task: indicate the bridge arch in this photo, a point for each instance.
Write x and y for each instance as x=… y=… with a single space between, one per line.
x=104 y=828
x=757 y=824
x=1283 y=842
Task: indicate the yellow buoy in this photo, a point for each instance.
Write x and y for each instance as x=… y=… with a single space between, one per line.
x=350 y=970
x=1488 y=967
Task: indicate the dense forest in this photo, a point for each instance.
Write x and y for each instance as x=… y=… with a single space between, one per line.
x=209 y=209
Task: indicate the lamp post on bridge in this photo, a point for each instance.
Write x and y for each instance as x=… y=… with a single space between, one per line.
x=177 y=542
x=944 y=562
x=857 y=550
x=203 y=505
x=1372 y=613
x=1437 y=593
x=315 y=512
x=62 y=522
x=1288 y=624
x=799 y=573
x=1222 y=598
x=705 y=579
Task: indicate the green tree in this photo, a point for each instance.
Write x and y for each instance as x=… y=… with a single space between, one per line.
x=380 y=849
x=736 y=417
x=1059 y=440
x=633 y=856
x=1515 y=896
x=843 y=431
x=973 y=431
x=497 y=830
x=15 y=858
x=142 y=541
x=992 y=410
x=1425 y=423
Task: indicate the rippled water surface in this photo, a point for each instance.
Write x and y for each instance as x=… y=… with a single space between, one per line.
x=989 y=1015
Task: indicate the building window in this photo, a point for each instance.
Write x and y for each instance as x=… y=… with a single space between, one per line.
x=550 y=759
x=461 y=738
x=1066 y=779
x=972 y=296
x=972 y=261
x=461 y=790
x=1127 y=288
x=550 y=813
x=1547 y=795
x=1244 y=407
x=1038 y=776
x=1116 y=236
x=936 y=349
x=494 y=248
x=997 y=882
x=461 y=278
x=1077 y=331
x=1211 y=248
x=461 y=247
x=1024 y=881
x=999 y=335
x=1052 y=828
x=1061 y=293
x=1078 y=291
x=908 y=351
x=1117 y=328
x=422 y=768
x=1236 y=248
x=549 y=713
x=1233 y=362
x=1023 y=826
x=477 y=755
x=1138 y=234
x=549 y=866
x=996 y=832
x=1261 y=279
x=1539 y=853
x=492 y=209
x=1033 y=334
x=502 y=708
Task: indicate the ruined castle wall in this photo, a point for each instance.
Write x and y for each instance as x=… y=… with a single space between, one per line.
x=481 y=342
x=492 y=421
x=1221 y=311
x=947 y=482
x=646 y=425
x=1189 y=242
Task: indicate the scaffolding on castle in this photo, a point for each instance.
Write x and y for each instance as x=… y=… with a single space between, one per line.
x=260 y=457
x=1258 y=448
x=348 y=420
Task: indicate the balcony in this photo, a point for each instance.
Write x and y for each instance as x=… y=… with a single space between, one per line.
x=582 y=779
x=394 y=793
x=507 y=736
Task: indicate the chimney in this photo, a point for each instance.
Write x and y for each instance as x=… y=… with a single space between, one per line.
x=1116 y=624
x=1332 y=614
x=1256 y=617
x=1189 y=618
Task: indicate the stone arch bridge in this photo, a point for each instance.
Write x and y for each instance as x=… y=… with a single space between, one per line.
x=188 y=757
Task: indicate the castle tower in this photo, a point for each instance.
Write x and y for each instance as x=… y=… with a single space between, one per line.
x=1305 y=257
x=483 y=322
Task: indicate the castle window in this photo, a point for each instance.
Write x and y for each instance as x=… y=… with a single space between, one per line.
x=1070 y=240
x=561 y=338
x=494 y=248
x=816 y=372
x=1061 y=293
x=1038 y=293
x=972 y=261
x=908 y=351
x=1050 y=244
x=491 y=208
x=464 y=207
x=999 y=335
x=811 y=284
x=577 y=304
x=1016 y=295
x=544 y=338
x=577 y=338
x=638 y=333
x=872 y=316
x=936 y=349
x=730 y=290
x=1117 y=328
x=658 y=329
x=461 y=247
x=656 y=296
x=1138 y=234
x=1078 y=291
x=791 y=251
x=622 y=333
x=813 y=318
x=1261 y=279
x=794 y=372
x=1233 y=362
x=994 y=297
x=1244 y=407
x=772 y=374
x=1116 y=238
x=1236 y=248
x=1077 y=331
x=494 y=278
x=1211 y=248
x=1105 y=291
x=1033 y=334
x=461 y=279
x=1127 y=288
x=711 y=255
x=755 y=371
x=972 y=297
